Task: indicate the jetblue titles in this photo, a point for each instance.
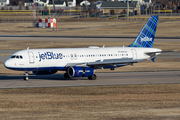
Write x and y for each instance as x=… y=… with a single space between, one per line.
x=146 y=39
x=49 y=55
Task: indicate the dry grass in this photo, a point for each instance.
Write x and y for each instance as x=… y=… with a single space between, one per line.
x=32 y=44
x=111 y=28
x=133 y=102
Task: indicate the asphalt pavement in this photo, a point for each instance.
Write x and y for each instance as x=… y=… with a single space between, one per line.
x=57 y=80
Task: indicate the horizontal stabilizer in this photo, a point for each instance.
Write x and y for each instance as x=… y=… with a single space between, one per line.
x=169 y=51
x=154 y=53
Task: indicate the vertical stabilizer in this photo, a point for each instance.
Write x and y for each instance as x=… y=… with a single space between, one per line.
x=147 y=34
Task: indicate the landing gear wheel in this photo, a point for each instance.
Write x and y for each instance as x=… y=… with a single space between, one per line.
x=26 y=78
x=92 y=77
x=66 y=75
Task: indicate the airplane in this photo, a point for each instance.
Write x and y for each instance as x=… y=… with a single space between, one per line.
x=82 y=62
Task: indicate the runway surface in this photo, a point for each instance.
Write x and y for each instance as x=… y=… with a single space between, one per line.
x=57 y=80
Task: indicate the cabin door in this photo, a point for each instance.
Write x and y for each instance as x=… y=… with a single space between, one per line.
x=31 y=57
x=134 y=53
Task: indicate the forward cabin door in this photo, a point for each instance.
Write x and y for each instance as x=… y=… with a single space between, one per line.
x=31 y=57
x=134 y=53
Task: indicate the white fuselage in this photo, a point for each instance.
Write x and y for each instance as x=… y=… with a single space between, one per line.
x=40 y=59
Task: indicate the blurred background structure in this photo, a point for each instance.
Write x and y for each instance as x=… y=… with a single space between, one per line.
x=32 y=10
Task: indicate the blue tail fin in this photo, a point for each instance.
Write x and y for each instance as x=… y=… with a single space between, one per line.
x=147 y=34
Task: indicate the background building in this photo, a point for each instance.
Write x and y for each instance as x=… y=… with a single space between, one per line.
x=117 y=7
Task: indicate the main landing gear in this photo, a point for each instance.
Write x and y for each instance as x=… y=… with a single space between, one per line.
x=26 y=78
x=66 y=75
x=92 y=77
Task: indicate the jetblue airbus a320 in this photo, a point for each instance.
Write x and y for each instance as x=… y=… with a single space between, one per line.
x=82 y=62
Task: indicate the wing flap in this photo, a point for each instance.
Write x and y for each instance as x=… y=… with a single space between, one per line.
x=113 y=61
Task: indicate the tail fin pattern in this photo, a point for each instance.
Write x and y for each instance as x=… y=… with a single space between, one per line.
x=147 y=34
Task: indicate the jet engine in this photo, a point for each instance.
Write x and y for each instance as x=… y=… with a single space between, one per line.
x=44 y=72
x=79 y=71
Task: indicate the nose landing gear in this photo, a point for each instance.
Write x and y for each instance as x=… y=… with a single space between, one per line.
x=26 y=78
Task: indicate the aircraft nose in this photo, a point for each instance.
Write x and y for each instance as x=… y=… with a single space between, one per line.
x=7 y=64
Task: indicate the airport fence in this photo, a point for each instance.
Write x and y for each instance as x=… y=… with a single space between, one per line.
x=13 y=14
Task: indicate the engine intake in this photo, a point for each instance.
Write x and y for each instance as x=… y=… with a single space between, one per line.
x=44 y=72
x=79 y=71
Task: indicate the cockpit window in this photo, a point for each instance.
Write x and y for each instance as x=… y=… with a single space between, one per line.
x=17 y=56
x=13 y=56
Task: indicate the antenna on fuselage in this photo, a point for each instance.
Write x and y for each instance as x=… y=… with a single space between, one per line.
x=103 y=46
x=28 y=48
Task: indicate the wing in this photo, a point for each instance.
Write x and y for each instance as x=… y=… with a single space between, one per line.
x=106 y=62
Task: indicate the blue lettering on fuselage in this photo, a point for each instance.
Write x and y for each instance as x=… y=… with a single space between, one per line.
x=49 y=55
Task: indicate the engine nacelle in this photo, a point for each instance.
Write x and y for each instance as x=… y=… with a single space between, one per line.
x=78 y=71
x=44 y=72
